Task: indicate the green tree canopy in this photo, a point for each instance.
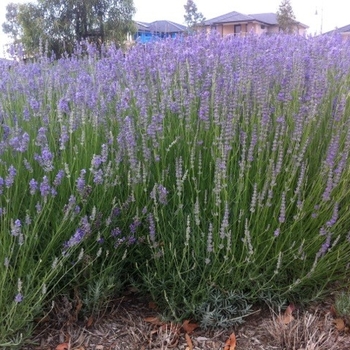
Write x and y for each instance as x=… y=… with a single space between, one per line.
x=59 y=24
x=286 y=17
x=193 y=18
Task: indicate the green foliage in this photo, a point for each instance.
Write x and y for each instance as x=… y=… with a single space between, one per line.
x=342 y=305
x=193 y=18
x=59 y=25
x=222 y=309
x=286 y=17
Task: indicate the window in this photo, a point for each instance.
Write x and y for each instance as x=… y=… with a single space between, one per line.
x=237 y=28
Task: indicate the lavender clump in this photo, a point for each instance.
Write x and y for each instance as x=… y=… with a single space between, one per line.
x=222 y=158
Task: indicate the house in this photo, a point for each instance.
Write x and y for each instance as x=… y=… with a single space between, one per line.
x=146 y=32
x=235 y=23
x=343 y=31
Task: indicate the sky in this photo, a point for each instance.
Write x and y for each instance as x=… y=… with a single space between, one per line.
x=319 y=15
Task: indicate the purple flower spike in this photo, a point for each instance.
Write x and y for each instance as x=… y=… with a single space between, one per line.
x=10 y=179
x=18 y=298
x=16 y=228
x=45 y=188
x=33 y=186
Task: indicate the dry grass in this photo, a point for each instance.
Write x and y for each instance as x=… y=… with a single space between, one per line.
x=310 y=331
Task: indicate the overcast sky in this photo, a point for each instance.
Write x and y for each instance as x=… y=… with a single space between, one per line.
x=317 y=14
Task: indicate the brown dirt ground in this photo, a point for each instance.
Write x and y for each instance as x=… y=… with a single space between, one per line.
x=124 y=326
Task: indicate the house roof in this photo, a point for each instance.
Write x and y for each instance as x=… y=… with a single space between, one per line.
x=345 y=29
x=267 y=18
x=229 y=17
x=161 y=26
x=141 y=25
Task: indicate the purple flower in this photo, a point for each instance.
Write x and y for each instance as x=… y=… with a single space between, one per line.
x=131 y=240
x=116 y=232
x=162 y=194
x=76 y=238
x=282 y=217
x=18 y=298
x=20 y=143
x=41 y=139
x=38 y=207
x=10 y=179
x=16 y=228
x=104 y=153
x=45 y=159
x=334 y=218
x=116 y=212
x=85 y=225
x=133 y=226
x=33 y=186
x=64 y=137
x=27 y=165
x=81 y=182
x=152 y=229
x=63 y=105
x=45 y=188
x=58 y=178
x=96 y=161
x=325 y=246
x=98 y=177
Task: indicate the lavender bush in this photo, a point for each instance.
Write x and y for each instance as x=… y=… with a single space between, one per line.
x=192 y=167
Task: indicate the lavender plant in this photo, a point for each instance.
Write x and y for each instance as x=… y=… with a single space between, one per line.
x=194 y=167
x=256 y=170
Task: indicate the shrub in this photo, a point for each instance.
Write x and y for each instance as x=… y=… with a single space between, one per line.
x=189 y=167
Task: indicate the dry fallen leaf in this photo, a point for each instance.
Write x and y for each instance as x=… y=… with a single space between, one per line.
x=152 y=305
x=154 y=320
x=339 y=324
x=287 y=317
x=62 y=346
x=89 y=322
x=333 y=312
x=79 y=348
x=230 y=343
x=189 y=327
x=189 y=342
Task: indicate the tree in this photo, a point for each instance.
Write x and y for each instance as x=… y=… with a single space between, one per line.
x=60 y=24
x=12 y=26
x=193 y=18
x=286 y=17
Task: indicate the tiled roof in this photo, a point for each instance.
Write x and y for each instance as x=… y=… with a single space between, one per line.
x=229 y=17
x=344 y=29
x=268 y=18
x=141 y=25
x=161 y=27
